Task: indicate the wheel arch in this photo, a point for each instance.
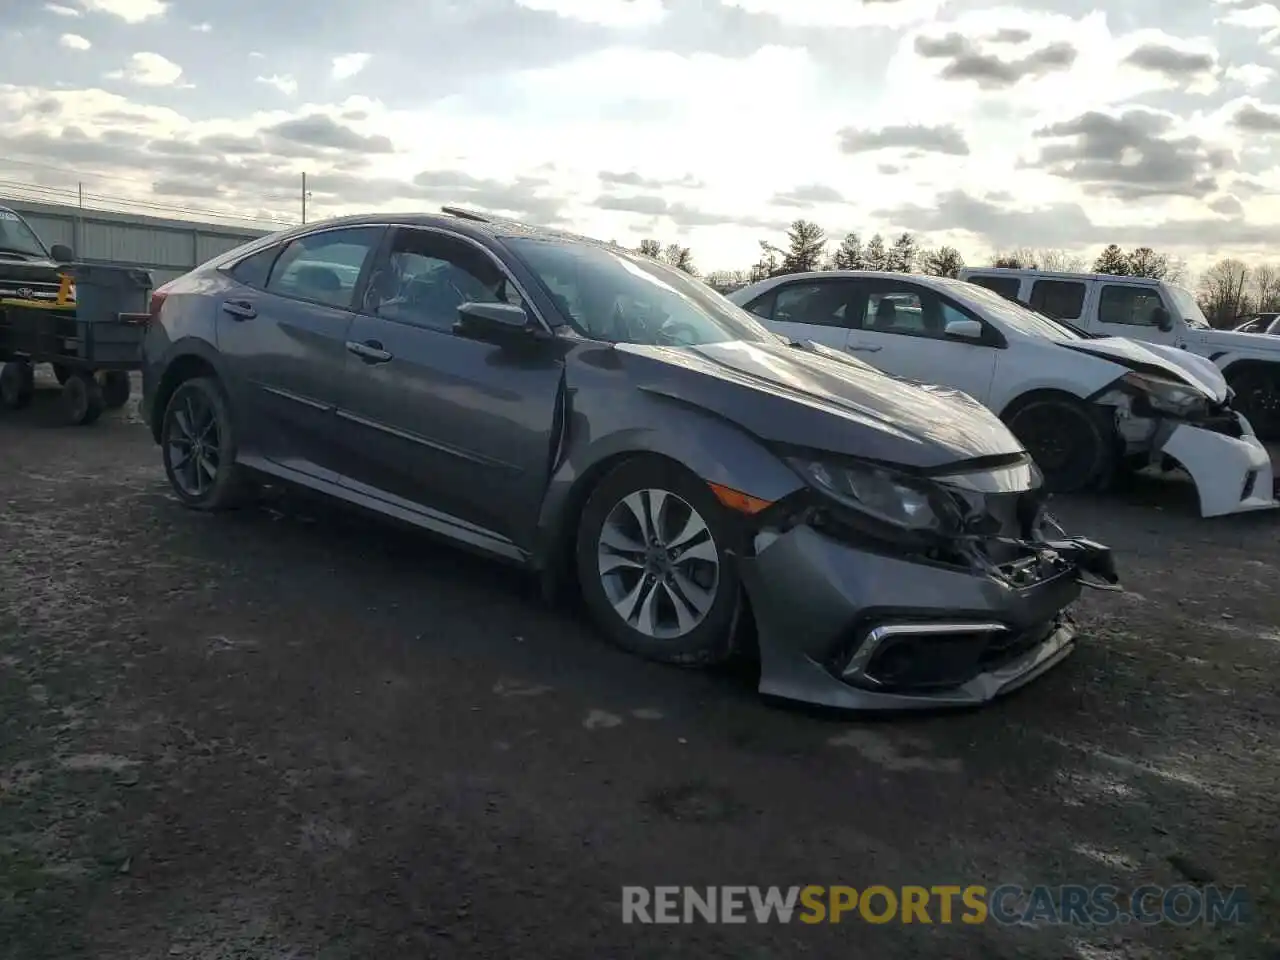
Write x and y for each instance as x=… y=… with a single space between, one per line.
x=1240 y=365
x=1039 y=393
x=192 y=358
x=713 y=451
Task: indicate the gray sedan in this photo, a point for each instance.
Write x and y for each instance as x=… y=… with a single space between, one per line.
x=607 y=421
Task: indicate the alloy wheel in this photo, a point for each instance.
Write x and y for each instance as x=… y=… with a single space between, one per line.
x=658 y=563
x=194 y=441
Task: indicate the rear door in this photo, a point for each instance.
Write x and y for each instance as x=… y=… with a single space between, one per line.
x=903 y=328
x=807 y=310
x=283 y=325
x=448 y=426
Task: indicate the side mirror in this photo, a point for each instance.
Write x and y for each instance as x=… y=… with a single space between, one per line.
x=61 y=253
x=964 y=329
x=495 y=322
x=1163 y=319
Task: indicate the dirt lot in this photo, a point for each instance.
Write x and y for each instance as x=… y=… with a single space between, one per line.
x=291 y=733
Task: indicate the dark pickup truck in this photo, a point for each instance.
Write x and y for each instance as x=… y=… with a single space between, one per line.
x=28 y=269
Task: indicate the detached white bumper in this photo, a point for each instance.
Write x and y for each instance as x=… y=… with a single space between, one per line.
x=1231 y=475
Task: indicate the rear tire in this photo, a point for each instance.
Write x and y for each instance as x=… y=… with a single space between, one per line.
x=82 y=399
x=116 y=388
x=1258 y=398
x=1067 y=438
x=653 y=560
x=198 y=445
x=17 y=384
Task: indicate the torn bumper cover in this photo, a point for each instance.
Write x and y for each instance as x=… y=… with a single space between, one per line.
x=1231 y=470
x=842 y=626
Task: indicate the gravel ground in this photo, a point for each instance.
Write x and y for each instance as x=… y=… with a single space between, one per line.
x=297 y=733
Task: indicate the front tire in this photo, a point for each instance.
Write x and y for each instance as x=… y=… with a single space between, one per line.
x=1258 y=398
x=17 y=384
x=198 y=444
x=653 y=560
x=1067 y=439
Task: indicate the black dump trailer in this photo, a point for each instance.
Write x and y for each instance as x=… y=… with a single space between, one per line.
x=91 y=335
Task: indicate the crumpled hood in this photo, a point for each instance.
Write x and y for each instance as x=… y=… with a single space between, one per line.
x=816 y=397
x=1158 y=358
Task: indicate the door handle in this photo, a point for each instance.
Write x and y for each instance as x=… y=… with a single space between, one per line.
x=240 y=309
x=370 y=351
x=863 y=347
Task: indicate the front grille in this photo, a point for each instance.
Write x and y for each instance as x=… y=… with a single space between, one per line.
x=28 y=290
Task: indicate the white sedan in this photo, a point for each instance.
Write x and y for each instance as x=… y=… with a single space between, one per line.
x=1083 y=406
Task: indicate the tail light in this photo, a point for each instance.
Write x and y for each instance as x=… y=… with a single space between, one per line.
x=157 y=301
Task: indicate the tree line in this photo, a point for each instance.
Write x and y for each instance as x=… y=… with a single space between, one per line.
x=808 y=248
x=1231 y=289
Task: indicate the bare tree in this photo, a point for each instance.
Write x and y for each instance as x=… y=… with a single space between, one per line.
x=1060 y=261
x=1223 y=292
x=1023 y=258
x=767 y=265
x=1266 y=288
x=680 y=257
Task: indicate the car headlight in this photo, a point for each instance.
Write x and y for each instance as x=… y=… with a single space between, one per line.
x=878 y=493
x=1167 y=396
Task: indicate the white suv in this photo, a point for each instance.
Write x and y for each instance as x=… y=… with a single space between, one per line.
x=1156 y=312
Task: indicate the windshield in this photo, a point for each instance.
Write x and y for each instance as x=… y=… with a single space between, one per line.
x=1187 y=306
x=1014 y=315
x=614 y=295
x=17 y=237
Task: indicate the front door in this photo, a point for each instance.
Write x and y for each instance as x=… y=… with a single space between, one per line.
x=438 y=422
x=902 y=329
x=1129 y=310
x=283 y=323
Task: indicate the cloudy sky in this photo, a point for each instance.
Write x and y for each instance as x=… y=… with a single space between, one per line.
x=1051 y=123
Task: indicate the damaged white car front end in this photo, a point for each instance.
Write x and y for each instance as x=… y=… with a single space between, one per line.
x=1167 y=424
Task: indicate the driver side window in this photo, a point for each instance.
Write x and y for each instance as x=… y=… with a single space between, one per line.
x=426 y=276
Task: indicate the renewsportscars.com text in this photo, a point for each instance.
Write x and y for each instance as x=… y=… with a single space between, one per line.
x=943 y=904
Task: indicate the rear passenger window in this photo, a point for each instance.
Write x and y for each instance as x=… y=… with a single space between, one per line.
x=324 y=267
x=1059 y=298
x=762 y=306
x=1007 y=287
x=253 y=270
x=818 y=304
x=1134 y=306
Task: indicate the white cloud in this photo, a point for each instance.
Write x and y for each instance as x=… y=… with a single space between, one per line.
x=608 y=13
x=130 y=11
x=348 y=65
x=1262 y=16
x=1250 y=75
x=149 y=70
x=62 y=10
x=73 y=41
x=286 y=84
x=846 y=13
x=202 y=27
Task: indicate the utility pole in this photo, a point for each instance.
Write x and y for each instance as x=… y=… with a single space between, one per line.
x=304 y=196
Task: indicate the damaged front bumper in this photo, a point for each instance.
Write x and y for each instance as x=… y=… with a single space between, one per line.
x=1232 y=474
x=842 y=626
